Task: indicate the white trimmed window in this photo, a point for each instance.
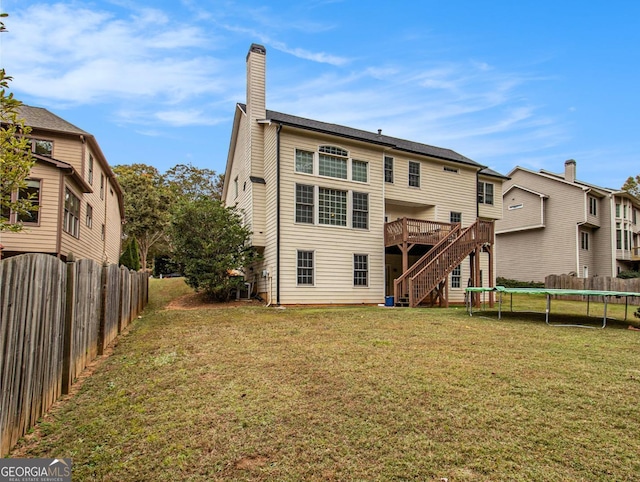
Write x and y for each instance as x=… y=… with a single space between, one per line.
x=305 y=268
x=332 y=162
x=359 y=171
x=414 y=174
x=304 y=161
x=456 y=277
x=304 y=204
x=388 y=169
x=332 y=207
x=360 y=214
x=485 y=193
x=593 y=206
x=360 y=270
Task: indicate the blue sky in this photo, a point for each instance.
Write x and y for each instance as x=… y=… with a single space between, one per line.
x=505 y=83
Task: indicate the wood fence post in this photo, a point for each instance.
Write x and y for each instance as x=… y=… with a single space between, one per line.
x=69 y=315
x=103 y=309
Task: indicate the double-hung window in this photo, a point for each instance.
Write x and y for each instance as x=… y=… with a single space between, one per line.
x=304 y=204
x=360 y=270
x=388 y=169
x=360 y=214
x=332 y=207
x=593 y=206
x=305 y=268
x=456 y=277
x=71 y=223
x=485 y=193
x=414 y=174
x=455 y=217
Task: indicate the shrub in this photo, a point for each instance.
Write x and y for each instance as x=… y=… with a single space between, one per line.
x=629 y=274
x=209 y=240
x=512 y=283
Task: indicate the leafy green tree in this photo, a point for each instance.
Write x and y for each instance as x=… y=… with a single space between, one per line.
x=130 y=256
x=189 y=182
x=147 y=205
x=632 y=186
x=208 y=241
x=16 y=160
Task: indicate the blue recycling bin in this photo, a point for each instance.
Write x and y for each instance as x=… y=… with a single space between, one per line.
x=388 y=301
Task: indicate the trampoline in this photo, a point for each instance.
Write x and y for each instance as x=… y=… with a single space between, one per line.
x=549 y=292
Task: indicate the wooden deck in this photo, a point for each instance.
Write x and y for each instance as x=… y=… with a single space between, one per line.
x=415 y=231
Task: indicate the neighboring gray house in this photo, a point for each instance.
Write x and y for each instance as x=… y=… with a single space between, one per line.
x=556 y=224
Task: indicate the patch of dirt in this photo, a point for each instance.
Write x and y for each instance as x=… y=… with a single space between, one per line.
x=196 y=301
x=251 y=462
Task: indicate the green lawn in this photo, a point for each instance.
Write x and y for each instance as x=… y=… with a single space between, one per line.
x=361 y=393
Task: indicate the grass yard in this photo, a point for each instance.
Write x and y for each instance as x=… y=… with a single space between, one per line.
x=362 y=393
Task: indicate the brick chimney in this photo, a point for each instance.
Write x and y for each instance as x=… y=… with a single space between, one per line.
x=570 y=170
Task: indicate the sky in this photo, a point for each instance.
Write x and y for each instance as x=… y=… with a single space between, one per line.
x=506 y=83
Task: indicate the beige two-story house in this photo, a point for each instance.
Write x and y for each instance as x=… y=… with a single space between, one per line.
x=343 y=215
x=556 y=224
x=80 y=204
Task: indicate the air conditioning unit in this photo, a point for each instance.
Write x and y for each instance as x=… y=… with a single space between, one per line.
x=244 y=293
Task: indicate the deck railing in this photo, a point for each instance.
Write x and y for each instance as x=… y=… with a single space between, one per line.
x=451 y=255
x=401 y=284
x=417 y=231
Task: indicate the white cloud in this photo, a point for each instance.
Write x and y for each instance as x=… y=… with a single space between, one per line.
x=76 y=55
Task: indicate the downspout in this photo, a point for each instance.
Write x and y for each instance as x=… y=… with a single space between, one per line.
x=477 y=203
x=278 y=214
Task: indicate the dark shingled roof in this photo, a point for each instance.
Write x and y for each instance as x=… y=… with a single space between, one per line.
x=39 y=118
x=373 y=137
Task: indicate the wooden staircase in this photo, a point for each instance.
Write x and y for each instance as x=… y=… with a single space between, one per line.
x=430 y=273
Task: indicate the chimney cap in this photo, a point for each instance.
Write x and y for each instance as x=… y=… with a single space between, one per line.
x=569 y=161
x=257 y=48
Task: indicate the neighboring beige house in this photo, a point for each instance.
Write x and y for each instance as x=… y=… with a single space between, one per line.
x=555 y=224
x=342 y=215
x=80 y=202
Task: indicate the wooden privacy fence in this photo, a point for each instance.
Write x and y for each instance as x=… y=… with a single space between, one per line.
x=598 y=283
x=55 y=318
